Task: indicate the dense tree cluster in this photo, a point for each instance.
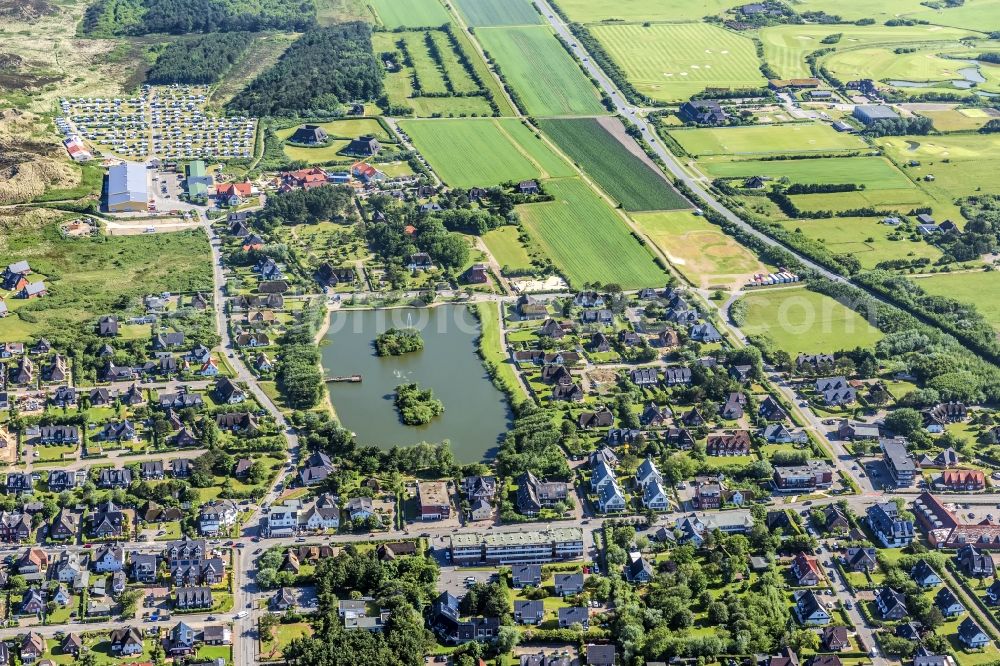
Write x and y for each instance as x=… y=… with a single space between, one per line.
x=398 y=341
x=306 y=206
x=417 y=406
x=899 y=126
x=200 y=60
x=139 y=17
x=402 y=586
x=323 y=69
x=532 y=444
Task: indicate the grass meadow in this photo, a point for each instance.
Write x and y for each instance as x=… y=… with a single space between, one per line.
x=852 y=10
x=927 y=64
x=876 y=173
x=959 y=120
x=559 y=88
x=86 y=277
x=672 y=62
x=456 y=150
x=698 y=249
x=864 y=237
x=801 y=321
x=624 y=176
x=484 y=13
x=507 y=249
x=594 y=11
x=410 y=14
x=766 y=139
x=969 y=288
x=976 y=15
x=587 y=240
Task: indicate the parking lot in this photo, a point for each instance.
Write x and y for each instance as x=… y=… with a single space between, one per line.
x=457 y=580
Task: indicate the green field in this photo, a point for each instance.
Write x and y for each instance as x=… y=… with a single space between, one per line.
x=901 y=201
x=88 y=277
x=786 y=46
x=852 y=10
x=875 y=173
x=505 y=247
x=672 y=62
x=959 y=120
x=587 y=11
x=801 y=321
x=982 y=15
x=698 y=249
x=410 y=13
x=763 y=139
x=863 y=237
x=429 y=75
x=548 y=81
x=969 y=288
x=625 y=177
x=483 y=13
x=587 y=240
x=456 y=150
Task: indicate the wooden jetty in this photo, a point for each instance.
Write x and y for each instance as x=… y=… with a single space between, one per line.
x=354 y=379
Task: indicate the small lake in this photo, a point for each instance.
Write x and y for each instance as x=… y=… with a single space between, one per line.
x=970 y=76
x=476 y=414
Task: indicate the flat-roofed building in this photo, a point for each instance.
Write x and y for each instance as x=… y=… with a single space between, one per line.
x=523 y=547
x=127 y=188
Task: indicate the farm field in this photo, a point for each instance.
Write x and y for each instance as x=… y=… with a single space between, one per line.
x=698 y=249
x=661 y=62
x=967 y=287
x=623 y=175
x=587 y=11
x=559 y=88
x=428 y=74
x=455 y=149
x=409 y=14
x=587 y=240
x=87 y=276
x=960 y=120
x=876 y=173
x=924 y=65
x=801 y=321
x=505 y=247
x=864 y=237
x=764 y=139
x=483 y=13
x=786 y=46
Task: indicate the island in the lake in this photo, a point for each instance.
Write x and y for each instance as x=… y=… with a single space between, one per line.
x=417 y=406
x=398 y=341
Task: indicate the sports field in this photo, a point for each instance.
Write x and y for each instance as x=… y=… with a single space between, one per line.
x=698 y=249
x=863 y=237
x=505 y=247
x=875 y=173
x=457 y=150
x=483 y=13
x=671 y=62
x=852 y=10
x=586 y=11
x=763 y=139
x=587 y=240
x=801 y=321
x=409 y=14
x=786 y=46
x=969 y=288
x=547 y=79
x=625 y=177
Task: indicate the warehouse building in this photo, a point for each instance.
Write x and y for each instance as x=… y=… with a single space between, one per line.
x=870 y=113
x=127 y=189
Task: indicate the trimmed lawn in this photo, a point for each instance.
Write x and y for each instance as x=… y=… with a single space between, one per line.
x=697 y=248
x=455 y=149
x=763 y=139
x=410 y=14
x=801 y=321
x=673 y=61
x=958 y=120
x=491 y=350
x=283 y=635
x=625 y=176
x=507 y=249
x=924 y=65
x=587 y=240
x=586 y=11
x=547 y=79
